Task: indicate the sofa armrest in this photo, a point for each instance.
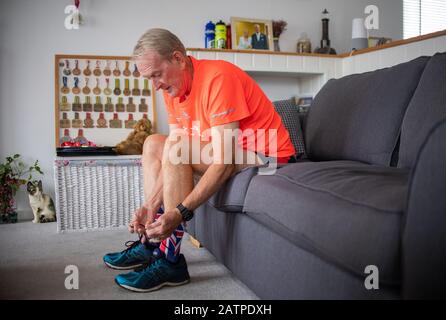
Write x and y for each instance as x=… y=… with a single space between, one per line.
x=424 y=228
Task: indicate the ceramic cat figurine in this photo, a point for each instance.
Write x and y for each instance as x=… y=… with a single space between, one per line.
x=41 y=203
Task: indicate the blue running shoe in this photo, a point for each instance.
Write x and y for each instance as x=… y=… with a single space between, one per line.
x=136 y=255
x=158 y=274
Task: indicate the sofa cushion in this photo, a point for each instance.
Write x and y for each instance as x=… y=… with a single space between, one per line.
x=346 y=212
x=358 y=117
x=289 y=112
x=231 y=196
x=426 y=108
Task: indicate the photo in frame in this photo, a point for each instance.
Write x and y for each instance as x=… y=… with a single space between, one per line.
x=251 y=34
x=377 y=41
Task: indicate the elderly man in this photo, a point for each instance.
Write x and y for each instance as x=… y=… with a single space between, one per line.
x=259 y=39
x=205 y=100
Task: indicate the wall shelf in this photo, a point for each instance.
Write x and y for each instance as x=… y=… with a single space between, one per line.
x=313 y=70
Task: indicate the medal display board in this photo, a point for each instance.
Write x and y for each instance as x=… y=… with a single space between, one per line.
x=98 y=99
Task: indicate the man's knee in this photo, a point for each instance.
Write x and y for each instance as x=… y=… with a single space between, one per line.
x=183 y=149
x=154 y=145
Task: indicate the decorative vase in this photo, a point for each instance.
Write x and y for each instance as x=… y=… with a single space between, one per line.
x=276 y=44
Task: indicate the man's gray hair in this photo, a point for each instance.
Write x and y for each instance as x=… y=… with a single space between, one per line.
x=159 y=40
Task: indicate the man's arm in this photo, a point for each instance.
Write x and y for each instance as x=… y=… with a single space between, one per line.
x=219 y=171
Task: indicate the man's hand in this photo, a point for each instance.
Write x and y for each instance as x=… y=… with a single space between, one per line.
x=142 y=216
x=165 y=225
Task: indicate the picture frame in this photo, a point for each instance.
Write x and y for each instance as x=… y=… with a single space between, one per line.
x=377 y=41
x=243 y=29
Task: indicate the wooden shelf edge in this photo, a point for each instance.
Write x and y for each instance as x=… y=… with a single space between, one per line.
x=342 y=55
x=266 y=52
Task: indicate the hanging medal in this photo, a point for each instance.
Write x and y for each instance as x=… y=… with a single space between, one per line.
x=109 y=107
x=76 y=70
x=87 y=106
x=64 y=122
x=107 y=71
x=117 y=90
x=66 y=70
x=127 y=87
x=130 y=123
x=120 y=105
x=65 y=88
x=117 y=72
x=146 y=90
x=127 y=71
x=115 y=122
x=64 y=105
x=66 y=139
x=97 y=70
x=135 y=90
x=102 y=123
x=136 y=73
x=86 y=89
x=88 y=121
x=76 y=89
x=107 y=90
x=97 y=90
x=98 y=106
x=143 y=107
x=80 y=138
x=131 y=107
x=77 y=104
x=76 y=122
x=87 y=71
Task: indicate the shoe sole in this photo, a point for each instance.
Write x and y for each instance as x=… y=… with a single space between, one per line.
x=170 y=284
x=123 y=268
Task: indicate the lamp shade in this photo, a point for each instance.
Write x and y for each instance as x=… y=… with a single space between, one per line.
x=358 y=28
x=359 y=34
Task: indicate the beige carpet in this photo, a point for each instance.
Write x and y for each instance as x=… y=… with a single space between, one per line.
x=34 y=257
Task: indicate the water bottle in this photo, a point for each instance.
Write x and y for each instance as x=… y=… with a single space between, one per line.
x=209 y=35
x=220 y=35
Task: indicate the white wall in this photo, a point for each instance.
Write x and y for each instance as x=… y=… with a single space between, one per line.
x=32 y=32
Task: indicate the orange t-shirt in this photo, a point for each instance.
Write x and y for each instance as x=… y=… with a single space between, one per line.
x=222 y=93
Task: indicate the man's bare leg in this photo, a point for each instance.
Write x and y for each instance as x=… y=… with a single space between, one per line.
x=151 y=164
x=153 y=182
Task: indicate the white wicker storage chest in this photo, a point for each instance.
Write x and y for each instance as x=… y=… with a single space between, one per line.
x=94 y=193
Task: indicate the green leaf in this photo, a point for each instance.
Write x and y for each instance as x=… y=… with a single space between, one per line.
x=16 y=156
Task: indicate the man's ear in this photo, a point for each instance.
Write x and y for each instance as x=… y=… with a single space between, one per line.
x=179 y=58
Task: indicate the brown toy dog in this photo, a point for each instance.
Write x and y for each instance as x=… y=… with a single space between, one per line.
x=135 y=140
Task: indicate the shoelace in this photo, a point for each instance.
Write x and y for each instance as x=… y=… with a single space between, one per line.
x=131 y=244
x=157 y=269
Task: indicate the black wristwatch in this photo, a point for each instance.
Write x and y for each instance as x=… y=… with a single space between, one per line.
x=185 y=212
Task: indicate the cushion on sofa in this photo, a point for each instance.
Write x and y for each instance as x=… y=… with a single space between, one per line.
x=346 y=212
x=426 y=109
x=358 y=117
x=289 y=112
x=231 y=196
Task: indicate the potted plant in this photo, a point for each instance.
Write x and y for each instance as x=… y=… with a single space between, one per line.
x=13 y=174
x=279 y=26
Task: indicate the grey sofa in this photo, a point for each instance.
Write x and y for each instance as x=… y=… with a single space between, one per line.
x=372 y=191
